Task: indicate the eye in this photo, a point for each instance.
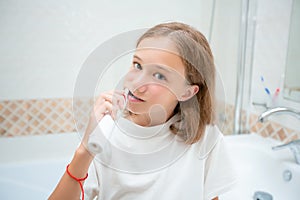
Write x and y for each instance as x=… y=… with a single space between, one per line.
x=159 y=76
x=137 y=66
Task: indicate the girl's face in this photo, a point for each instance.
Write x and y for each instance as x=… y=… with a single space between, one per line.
x=156 y=81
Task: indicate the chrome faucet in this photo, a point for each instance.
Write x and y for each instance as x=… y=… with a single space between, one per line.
x=282 y=110
x=294 y=146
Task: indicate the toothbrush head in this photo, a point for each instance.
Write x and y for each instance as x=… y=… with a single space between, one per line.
x=126 y=92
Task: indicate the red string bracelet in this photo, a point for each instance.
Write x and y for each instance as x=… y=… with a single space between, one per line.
x=78 y=180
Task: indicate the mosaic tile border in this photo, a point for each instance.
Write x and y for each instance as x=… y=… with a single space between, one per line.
x=47 y=116
x=35 y=117
x=273 y=130
x=269 y=128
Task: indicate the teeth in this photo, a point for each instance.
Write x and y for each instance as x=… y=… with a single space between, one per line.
x=130 y=93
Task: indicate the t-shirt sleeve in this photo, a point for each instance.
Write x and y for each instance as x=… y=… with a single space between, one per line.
x=220 y=175
x=91 y=185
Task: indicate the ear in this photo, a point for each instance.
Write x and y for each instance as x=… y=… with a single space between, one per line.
x=190 y=91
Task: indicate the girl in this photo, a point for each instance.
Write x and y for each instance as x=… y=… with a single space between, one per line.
x=169 y=108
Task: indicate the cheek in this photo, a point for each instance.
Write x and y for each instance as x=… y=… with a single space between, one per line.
x=167 y=93
x=130 y=76
x=161 y=93
x=129 y=79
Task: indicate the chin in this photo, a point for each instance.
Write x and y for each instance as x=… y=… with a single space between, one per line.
x=137 y=111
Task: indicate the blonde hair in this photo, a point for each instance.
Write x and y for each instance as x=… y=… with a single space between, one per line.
x=197 y=57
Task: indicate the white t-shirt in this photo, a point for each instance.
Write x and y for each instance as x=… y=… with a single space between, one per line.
x=146 y=163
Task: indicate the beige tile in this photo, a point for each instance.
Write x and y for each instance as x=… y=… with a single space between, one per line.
x=281 y=134
x=48 y=116
x=14 y=119
x=6 y=112
x=269 y=128
x=1 y=119
x=253 y=129
x=292 y=137
x=13 y=105
x=2 y=132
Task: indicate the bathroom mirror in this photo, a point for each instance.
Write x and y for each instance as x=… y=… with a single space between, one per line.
x=291 y=87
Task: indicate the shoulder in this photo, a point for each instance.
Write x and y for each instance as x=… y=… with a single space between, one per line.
x=210 y=138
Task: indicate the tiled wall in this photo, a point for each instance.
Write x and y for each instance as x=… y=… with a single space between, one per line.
x=267 y=129
x=35 y=117
x=273 y=130
x=46 y=116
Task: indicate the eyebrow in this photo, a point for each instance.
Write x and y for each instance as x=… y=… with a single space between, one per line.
x=135 y=56
x=158 y=66
x=165 y=69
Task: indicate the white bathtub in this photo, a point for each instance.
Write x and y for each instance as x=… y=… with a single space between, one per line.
x=31 y=166
x=260 y=168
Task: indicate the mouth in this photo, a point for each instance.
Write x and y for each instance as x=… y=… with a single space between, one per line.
x=130 y=94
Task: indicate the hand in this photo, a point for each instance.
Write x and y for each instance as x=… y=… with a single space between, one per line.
x=108 y=103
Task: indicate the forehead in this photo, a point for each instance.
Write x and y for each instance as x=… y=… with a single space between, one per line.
x=160 y=51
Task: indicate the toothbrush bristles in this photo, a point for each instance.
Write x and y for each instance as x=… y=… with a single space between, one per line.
x=126 y=92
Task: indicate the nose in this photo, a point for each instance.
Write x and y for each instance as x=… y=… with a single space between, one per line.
x=139 y=83
x=141 y=89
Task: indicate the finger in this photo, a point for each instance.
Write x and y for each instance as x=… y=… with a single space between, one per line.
x=104 y=97
x=119 y=99
x=103 y=109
